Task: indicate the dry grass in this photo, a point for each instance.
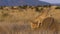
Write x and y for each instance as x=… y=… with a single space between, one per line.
x=16 y=21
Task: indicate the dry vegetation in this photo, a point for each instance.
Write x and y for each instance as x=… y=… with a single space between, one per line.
x=17 y=20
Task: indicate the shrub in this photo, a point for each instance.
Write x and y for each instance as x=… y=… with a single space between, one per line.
x=23 y=7
x=57 y=7
x=47 y=6
x=38 y=10
x=1 y=7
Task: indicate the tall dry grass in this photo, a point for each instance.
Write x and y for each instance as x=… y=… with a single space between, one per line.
x=15 y=21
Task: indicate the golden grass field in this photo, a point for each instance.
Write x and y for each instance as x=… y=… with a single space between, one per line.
x=16 y=21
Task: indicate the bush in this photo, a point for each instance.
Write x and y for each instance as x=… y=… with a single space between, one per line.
x=1 y=7
x=38 y=10
x=57 y=7
x=23 y=7
x=47 y=6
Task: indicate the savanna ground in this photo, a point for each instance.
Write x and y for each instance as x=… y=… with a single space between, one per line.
x=16 y=21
